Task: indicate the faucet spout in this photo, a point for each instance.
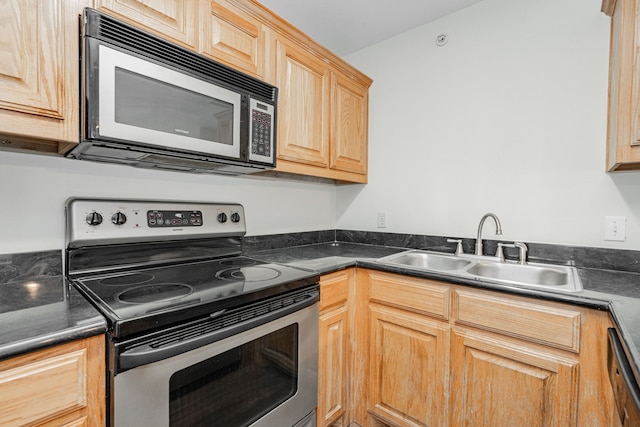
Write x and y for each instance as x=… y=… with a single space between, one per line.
x=479 y=237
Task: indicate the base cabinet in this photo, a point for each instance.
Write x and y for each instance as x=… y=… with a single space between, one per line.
x=59 y=386
x=334 y=349
x=408 y=358
x=447 y=355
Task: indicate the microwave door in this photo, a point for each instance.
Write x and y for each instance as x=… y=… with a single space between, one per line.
x=146 y=103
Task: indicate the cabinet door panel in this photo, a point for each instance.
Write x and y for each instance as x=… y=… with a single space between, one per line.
x=349 y=126
x=173 y=19
x=408 y=368
x=39 y=74
x=233 y=39
x=303 y=107
x=30 y=67
x=332 y=355
x=498 y=383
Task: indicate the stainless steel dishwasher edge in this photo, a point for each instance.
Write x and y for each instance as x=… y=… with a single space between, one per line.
x=625 y=387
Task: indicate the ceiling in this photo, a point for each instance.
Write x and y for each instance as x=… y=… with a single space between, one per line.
x=345 y=26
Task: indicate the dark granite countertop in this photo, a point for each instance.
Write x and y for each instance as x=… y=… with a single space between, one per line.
x=38 y=308
x=614 y=291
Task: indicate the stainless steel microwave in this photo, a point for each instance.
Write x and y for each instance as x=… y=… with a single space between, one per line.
x=149 y=103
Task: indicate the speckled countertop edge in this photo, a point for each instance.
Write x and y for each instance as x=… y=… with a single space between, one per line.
x=38 y=308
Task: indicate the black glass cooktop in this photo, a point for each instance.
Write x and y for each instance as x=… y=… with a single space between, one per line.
x=144 y=299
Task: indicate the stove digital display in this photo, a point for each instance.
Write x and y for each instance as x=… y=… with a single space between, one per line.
x=157 y=218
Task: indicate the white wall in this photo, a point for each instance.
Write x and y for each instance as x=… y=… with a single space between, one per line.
x=33 y=190
x=508 y=117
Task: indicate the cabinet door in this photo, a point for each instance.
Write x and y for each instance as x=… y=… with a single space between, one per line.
x=502 y=384
x=176 y=20
x=408 y=362
x=349 y=122
x=303 y=106
x=332 y=358
x=62 y=385
x=232 y=38
x=39 y=73
x=623 y=139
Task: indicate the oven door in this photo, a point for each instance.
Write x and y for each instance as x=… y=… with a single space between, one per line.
x=262 y=377
x=132 y=99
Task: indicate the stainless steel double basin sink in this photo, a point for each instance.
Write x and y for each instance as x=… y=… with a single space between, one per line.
x=489 y=269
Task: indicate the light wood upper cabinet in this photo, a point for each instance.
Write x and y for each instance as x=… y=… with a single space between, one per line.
x=349 y=125
x=175 y=20
x=322 y=117
x=232 y=37
x=323 y=101
x=623 y=134
x=39 y=74
x=303 y=106
x=59 y=386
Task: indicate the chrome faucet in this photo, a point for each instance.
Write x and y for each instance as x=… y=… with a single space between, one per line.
x=479 y=238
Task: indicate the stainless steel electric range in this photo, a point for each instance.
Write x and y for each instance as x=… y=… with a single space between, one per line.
x=198 y=335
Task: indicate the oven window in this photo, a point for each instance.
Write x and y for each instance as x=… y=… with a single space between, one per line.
x=239 y=386
x=148 y=103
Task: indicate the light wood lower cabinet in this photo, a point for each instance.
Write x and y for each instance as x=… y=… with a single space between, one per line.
x=59 y=386
x=408 y=357
x=447 y=355
x=334 y=349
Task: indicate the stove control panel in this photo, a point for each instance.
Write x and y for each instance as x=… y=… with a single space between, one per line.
x=102 y=221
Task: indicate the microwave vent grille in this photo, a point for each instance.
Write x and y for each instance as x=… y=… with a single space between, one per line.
x=112 y=31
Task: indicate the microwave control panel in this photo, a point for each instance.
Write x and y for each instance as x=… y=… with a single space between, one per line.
x=261 y=132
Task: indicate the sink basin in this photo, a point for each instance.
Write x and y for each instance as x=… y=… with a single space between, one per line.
x=428 y=261
x=532 y=275
x=540 y=276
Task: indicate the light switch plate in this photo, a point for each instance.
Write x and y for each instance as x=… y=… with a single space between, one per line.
x=615 y=228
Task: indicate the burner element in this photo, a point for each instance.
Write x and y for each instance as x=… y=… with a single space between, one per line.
x=128 y=279
x=154 y=293
x=249 y=274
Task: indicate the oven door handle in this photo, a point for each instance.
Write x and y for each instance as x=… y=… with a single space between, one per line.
x=159 y=347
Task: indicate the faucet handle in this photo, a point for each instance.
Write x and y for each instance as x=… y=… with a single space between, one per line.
x=523 y=251
x=500 y=252
x=459 y=250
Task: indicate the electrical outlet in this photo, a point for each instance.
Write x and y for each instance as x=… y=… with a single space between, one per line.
x=615 y=228
x=382 y=220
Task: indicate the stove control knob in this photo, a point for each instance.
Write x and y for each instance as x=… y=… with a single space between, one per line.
x=222 y=217
x=235 y=217
x=118 y=218
x=94 y=218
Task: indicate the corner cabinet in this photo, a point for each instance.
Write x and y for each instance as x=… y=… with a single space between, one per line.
x=58 y=386
x=39 y=75
x=322 y=117
x=623 y=133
